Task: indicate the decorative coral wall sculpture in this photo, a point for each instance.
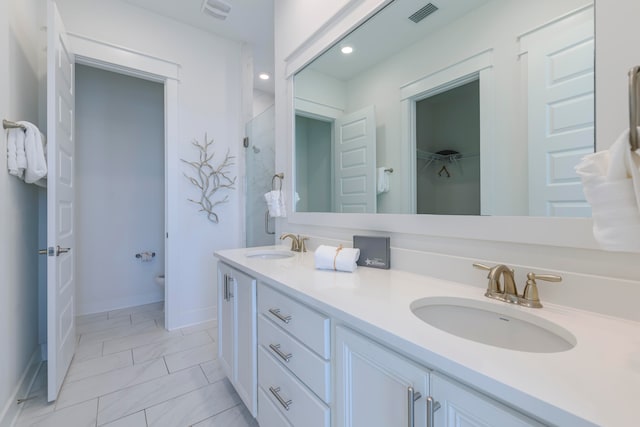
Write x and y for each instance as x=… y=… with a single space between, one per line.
x=210 y=179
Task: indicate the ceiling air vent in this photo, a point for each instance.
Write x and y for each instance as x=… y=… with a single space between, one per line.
x=216 y=8
x=420 y=14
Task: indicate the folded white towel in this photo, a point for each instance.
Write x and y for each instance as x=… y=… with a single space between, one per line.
x=276 y=203
x=382 y=180
x=336 y=258
x=34 y=149
x=15 y=138
x=611 y=182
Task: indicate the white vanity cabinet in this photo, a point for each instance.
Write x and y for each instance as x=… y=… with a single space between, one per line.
x=460 y=405
x=376 y=387
x=294 y=365
x=237 y=332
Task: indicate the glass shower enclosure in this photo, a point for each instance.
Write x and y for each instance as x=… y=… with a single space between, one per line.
x=260 y=168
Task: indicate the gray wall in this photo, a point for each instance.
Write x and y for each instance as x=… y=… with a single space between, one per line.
x=120 y=189
x=313 y=164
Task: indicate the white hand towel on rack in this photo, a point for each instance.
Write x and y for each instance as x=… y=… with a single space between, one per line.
x=336 y=258
x=611 y=182
x=15 y=139
x=34 y=149
x=276 y=203
x=382 y=180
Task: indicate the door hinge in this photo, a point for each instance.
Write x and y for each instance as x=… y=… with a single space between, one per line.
x=245 y=142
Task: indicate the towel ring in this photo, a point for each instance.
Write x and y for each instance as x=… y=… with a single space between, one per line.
x=280 y=177
x=633 y=107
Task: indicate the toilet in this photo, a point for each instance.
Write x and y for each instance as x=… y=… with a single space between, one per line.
x=160 y=280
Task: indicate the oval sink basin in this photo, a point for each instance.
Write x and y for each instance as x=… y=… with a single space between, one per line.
x=490 y=324
x=269 y=254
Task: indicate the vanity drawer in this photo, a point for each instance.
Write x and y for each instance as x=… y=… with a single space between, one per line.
x=289 y=395
x=269 y=415
x=302 y=362
x=307 y=325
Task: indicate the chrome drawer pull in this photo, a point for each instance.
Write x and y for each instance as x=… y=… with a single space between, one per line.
x=285 y=403
x=412 y=397
x=276 y=350
x=432 y=407
x=276 y=312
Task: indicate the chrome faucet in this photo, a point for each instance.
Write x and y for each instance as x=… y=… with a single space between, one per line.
x=297 y=242
x=507 y=290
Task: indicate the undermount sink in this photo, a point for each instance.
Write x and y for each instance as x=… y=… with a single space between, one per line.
x=269 y=254
x=494 y=325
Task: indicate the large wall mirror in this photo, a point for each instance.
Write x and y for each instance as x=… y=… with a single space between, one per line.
x=457 y=107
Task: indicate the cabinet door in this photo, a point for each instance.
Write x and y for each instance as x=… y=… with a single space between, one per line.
x=226 y=321
x=461 y=406
x=246 y=339
x=373 y=385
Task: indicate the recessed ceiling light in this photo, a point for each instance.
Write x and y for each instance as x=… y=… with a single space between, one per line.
x=264 y=76
x=217 y=8
x=346 y=50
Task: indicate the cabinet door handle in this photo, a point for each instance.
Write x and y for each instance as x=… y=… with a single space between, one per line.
x=432 y=407
x=412 y=396
x=276 y=350
x=228 y=280
x=276 y=312
x=276 y=393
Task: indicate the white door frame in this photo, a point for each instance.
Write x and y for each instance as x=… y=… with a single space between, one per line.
x=477 y=67
x=122 y=60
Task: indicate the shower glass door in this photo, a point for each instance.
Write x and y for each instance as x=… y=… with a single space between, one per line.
x=260 y=168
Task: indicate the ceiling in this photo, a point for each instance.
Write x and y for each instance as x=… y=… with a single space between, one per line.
x=374 y=42
x=249 y=21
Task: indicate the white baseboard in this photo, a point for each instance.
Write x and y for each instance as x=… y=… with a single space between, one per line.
x=11 y=409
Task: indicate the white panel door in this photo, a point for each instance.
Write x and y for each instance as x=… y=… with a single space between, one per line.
x=237 y=333
x=561 y=118
x=246 y=341
x=61 y=332
x=372 y=384
x=355 y=162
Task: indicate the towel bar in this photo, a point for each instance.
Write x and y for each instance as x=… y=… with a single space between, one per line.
x=634 y=102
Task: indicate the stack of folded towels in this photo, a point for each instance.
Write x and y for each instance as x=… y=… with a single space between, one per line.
x=26 y=154
x=611 y=182
x=336 y=258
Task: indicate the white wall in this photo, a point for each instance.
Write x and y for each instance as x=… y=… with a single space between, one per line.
x=210 y=101
x=19 y=74
x=611 y=273
x=120 y=189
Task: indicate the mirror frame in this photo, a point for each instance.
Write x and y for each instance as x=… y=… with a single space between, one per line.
x=549 y=231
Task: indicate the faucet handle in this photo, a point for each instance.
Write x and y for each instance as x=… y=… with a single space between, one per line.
x=530 y=296
x=481 y=266
x=301 y=245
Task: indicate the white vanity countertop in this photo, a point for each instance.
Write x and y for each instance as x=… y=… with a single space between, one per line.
x=597 y=382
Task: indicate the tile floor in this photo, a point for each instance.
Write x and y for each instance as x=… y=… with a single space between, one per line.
x=128 y=371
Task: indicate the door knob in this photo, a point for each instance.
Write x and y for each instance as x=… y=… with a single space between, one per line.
x=60 y=250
